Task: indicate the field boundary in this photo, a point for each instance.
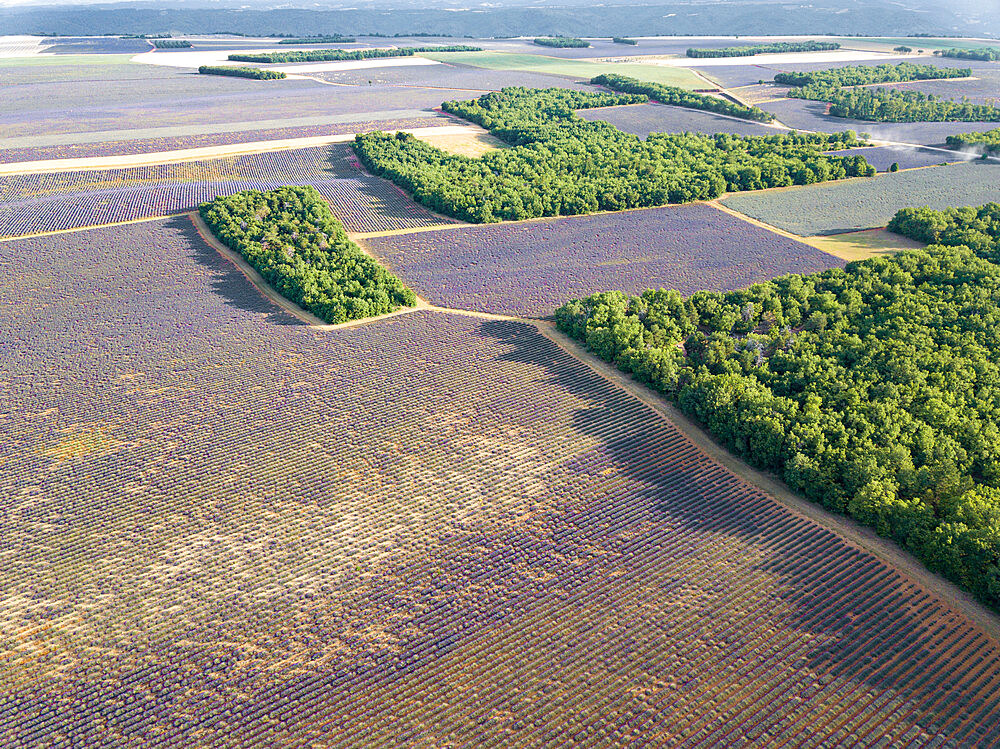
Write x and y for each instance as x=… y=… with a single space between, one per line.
x=268 y=291
x=853 y=533
x=88 y=163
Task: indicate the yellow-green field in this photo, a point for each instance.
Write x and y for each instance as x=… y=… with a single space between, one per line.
x=580 y=69
x=862 y=245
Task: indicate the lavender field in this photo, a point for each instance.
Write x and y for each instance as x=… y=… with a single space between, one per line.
x=856 y=204
x=229 y=529
x=229 y=136
x=883 y=157
x=53 y=201
x=643 y=119
x=531 y=267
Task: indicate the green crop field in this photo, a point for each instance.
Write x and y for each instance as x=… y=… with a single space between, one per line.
x=573 y=68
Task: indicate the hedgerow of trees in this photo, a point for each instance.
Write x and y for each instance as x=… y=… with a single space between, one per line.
x=681 y=97
x=623 y=40
x=329 y=39
x=988 y=141
x=238 y=72
x=748 y=50
x=560 y=164
x=886 y=104
x=872 y=390
x=290 y=236
x=986 y=54
x=335 y=55
x=560 y=42
x=171 y=43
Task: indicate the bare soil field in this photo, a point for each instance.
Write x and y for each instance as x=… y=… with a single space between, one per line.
x=228 y=527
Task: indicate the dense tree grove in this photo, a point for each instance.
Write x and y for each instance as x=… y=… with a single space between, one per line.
x=976 y=228
x=748 y=50
x=624 y=40
x=873 y=390
x=560 y=164
x=561 y=42
x=886 y=104
x=331 y=39
x=988 y=141
x=295 y=243
x=986 y=54
x=865 y=75
x=258 y=73
x=171 y=43
x=681 y=97
x=335 y=55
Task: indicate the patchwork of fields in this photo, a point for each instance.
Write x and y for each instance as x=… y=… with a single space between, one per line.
x=869 y=203
x=451 y=527
x=37 y=203
x=456 y=505
x=528 y=267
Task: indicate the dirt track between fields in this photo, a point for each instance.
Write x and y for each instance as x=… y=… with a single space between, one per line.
x=206 y=152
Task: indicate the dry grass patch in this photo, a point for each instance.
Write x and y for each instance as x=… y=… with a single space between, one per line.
x=470 y=144
x=862 y=245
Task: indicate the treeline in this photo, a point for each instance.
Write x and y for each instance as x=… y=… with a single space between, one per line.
x=872 y=390
x=237 y=72
x=331 y=39
x=987 y=54
x=886 y=104
x=334 y=55
x=623 y=40
x=560 y=42
x=560 y=164
x=681 y=97
x=976 y=228
x=171 y=43
x=293 y=240
x=988 y=141
x=749 y=50
x=865 y=75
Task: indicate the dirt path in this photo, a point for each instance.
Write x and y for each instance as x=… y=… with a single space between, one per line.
x=206 y=152
x=859 y=536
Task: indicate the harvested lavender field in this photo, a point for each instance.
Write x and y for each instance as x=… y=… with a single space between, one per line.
x=883 y=157
x=643 y=119
x=35 y=203
x=247 y=559
x=811 y=115
x=528 y=268
x=228 y=136
x=857 y=204
x=446 y=76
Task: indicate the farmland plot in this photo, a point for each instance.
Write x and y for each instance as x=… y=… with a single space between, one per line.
x=643 y=119
x=858 y=204
x=229 y=135
x=883 y=157
x=38 y=203
x=230 y=532
x=526 y=268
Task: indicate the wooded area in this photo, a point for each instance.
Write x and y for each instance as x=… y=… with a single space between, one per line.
x=885 y=104
x=871 y=390
x=293 y=240
x=561 y=164
x=749 y=50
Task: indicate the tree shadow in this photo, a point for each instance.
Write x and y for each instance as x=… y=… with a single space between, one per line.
x=227 y=281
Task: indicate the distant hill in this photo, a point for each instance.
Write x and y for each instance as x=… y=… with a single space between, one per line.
x=865 y=17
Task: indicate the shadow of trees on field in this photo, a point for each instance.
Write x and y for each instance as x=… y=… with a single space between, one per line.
x=227 y=280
